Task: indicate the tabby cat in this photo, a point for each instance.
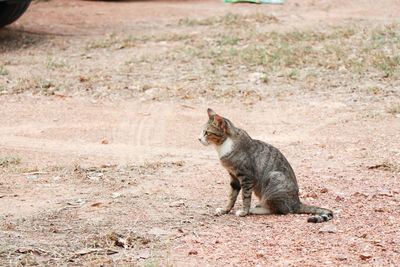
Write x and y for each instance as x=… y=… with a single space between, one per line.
x=255 y=166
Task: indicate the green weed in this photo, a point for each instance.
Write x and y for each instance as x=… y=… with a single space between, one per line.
x=3 y=71
x=9 y=161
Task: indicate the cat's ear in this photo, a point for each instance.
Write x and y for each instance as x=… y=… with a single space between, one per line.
x=219 y=121
x=211 y=113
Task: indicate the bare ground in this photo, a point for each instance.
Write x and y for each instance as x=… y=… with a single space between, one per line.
x=101 y=104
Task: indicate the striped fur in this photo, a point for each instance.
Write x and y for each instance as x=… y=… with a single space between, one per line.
x=255 y=166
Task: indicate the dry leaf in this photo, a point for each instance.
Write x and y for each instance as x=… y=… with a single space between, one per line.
x=365 y=256
x=193 y=252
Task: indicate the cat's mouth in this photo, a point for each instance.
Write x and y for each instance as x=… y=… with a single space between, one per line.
x=203 y=140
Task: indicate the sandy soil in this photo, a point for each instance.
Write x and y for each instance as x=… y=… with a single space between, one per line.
x=99 y=173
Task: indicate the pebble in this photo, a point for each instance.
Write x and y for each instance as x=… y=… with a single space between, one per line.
x=328 y=229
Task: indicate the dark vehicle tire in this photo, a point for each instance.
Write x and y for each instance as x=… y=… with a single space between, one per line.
x=11 y=10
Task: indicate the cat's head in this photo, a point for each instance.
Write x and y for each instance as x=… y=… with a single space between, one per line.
x=215 y=131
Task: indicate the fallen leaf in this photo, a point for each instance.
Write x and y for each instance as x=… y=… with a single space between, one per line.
x=108 y=165
x=193 y=252
x=62 y=96
x=381 y=209
x=79 y=201
x=96 y=204
x=104 y=141
x=374 y=166
x=364 y=235
x=365 y=256
x=120 y=242
x=97 y=251
x=339 y=197
x=385 y=193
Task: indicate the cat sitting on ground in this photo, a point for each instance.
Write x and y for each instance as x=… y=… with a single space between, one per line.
x=255 y=166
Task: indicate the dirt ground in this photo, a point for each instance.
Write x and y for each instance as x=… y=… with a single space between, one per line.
x=101 y=104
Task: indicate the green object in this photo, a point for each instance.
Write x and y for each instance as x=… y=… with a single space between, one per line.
x=279 y=2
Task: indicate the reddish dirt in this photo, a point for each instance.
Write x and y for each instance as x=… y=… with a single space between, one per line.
x=121 y=181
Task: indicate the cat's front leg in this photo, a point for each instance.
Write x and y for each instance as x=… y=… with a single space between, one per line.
x=233 y=193
x=247 y=189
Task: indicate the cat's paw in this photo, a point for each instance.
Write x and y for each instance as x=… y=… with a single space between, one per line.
x=242 y=213
x=221 y=211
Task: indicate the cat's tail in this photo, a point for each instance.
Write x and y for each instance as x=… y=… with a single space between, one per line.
x=322 y=215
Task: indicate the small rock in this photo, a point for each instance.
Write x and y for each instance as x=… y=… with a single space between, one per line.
x=143 y=255
x=341 y=257
x=255 y=76
x=324 y=190
x=31 y=176
x=365 y=256
x=260 y=254
x=116 y=194
x=146 y=87
x=104 y=141
x=362 y=194
x=339 y=197
x=328 y=229
x=342 y=69
x=311 y=194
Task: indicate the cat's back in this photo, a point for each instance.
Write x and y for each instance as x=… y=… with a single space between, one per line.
x=256 y=156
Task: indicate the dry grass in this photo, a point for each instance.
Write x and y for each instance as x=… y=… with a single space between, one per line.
x=236 y=56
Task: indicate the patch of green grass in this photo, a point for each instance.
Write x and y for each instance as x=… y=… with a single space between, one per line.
x=394 y=110
x=374 y=90
x=227 y=40
x=230 y=19
x=9 y=161
x=292 y=74
x=388 y=64
x=391 y=166
x=56 y=64
x=150 y=262
x=3 y=71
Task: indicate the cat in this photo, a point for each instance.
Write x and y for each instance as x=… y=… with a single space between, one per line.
x=255 y=166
